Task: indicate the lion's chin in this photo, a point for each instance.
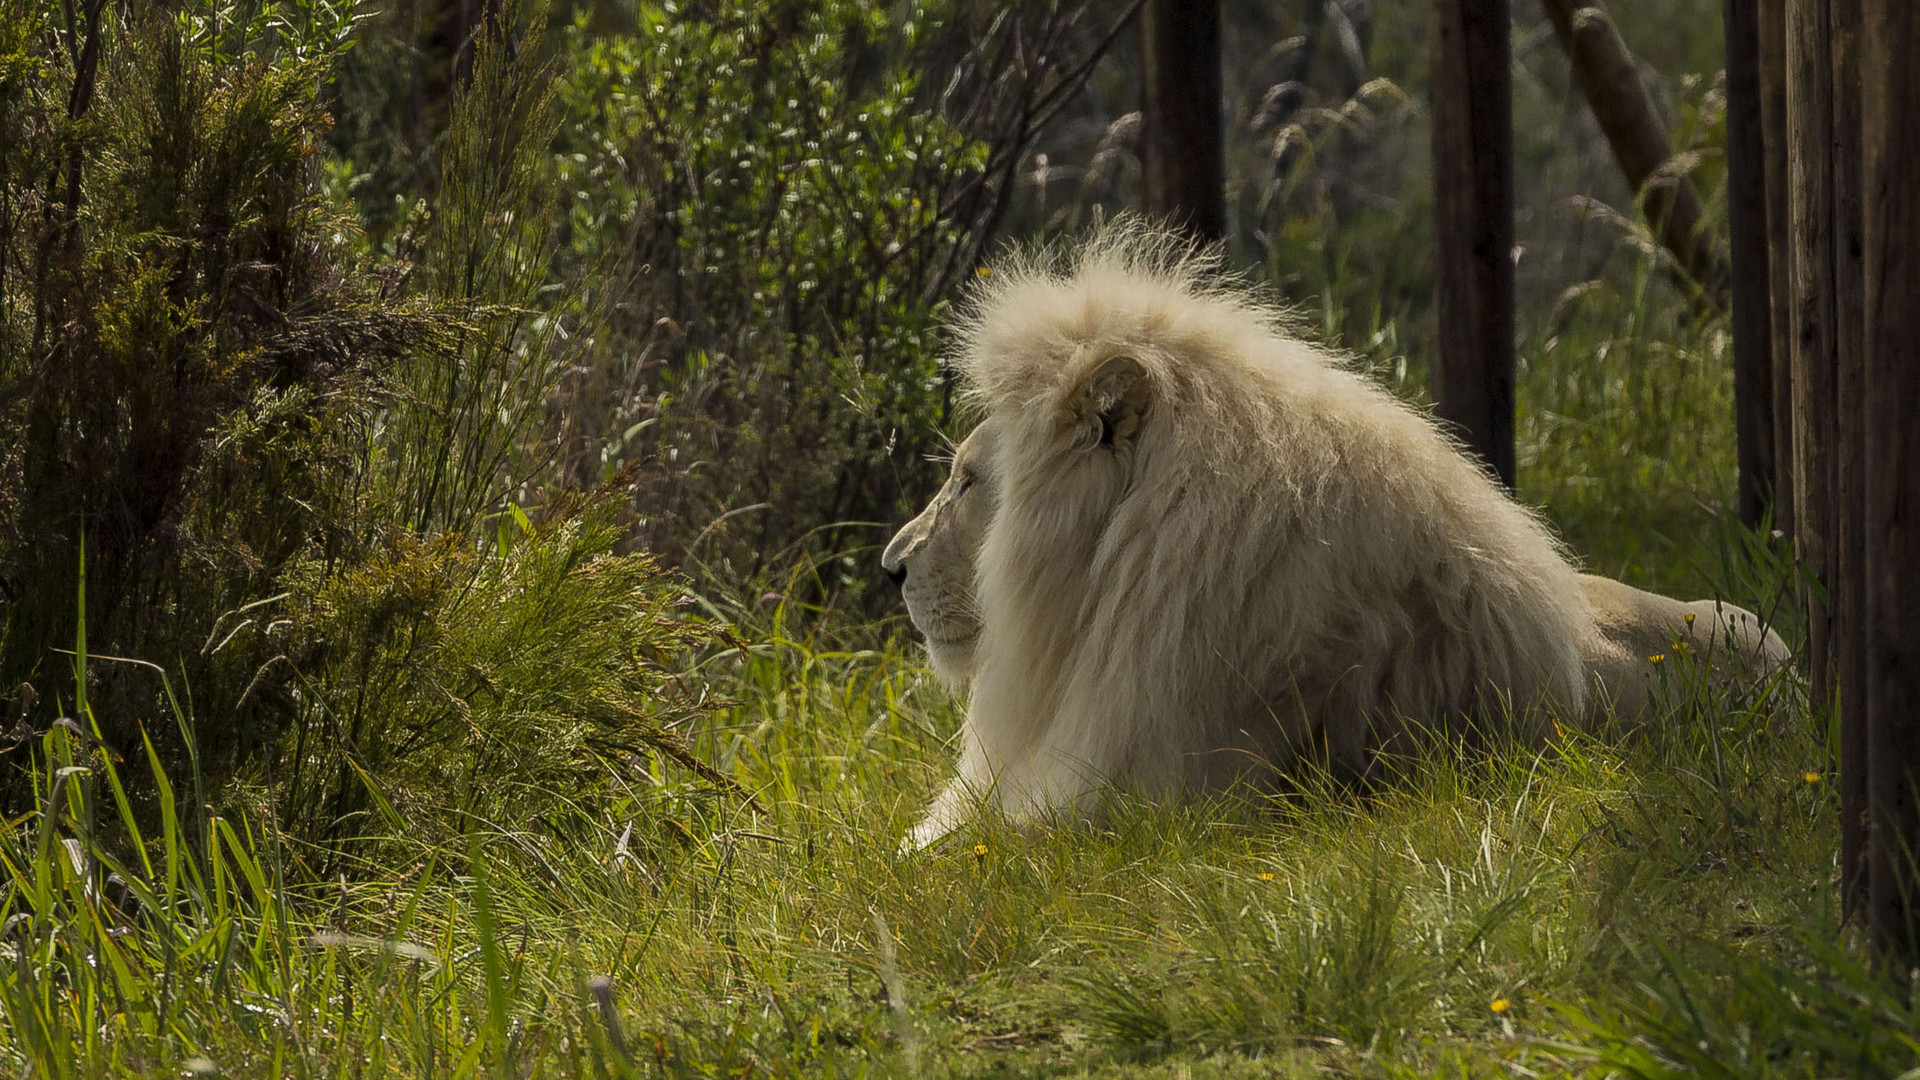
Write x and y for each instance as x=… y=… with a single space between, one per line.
x=953 y=658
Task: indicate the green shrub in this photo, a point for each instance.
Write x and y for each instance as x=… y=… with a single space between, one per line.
x=186 y=349
x=780 y=198
x=758 y=211
x=447 y=685
x=465 y=430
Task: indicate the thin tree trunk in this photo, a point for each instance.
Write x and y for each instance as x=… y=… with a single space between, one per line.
x=1641 y=143
x=1773 y=123
x=1182 y=144
x=1848 y=593
x=1749 y=282
x=1811 y=219
x=1473 y=226
x=447 y=44
x=1890 y=140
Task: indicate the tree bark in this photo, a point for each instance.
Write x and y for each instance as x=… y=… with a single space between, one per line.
x=1773 y=123
x=1473 y=227
x=447 y=43
x=1890 y=140
x=1814 y=362
x=1182 y=144
x=1749 y=282
x=1641 y=142
x=1848 y=592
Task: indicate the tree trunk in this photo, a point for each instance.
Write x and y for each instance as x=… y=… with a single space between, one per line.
x=1473 y=227
x=1810 y=244
x=1773 y=123
x=1182 y=144
x=1848 y=592
x=1890 y=140
x=447 y=44
x=1749 y=283
x=1641 y=143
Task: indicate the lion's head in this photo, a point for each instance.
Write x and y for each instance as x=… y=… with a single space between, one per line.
x=932 y=558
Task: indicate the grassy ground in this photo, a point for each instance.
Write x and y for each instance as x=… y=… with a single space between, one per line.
x=1480 y=916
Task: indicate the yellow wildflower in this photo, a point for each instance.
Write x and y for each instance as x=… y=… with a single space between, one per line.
x=979 y=850
x=1500 y=1005
x=1656 y=658
x=1811 y=776
x=1266 y=875
x=984 y=271
x=1689 y=618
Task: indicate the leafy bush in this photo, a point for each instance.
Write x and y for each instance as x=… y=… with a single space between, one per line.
x=780 y=210
x=777 y=200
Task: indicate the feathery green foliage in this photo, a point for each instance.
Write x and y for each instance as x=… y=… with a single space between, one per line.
x=289 y=457
x=185 y=349
x=467 y=427
x=449 y=686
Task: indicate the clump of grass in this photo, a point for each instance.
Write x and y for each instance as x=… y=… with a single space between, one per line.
x=200 y=947
x=522 y=684
x=1626 y=431
x=1725 y=1012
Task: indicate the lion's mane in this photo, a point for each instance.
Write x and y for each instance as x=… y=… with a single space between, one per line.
x=1259 y=556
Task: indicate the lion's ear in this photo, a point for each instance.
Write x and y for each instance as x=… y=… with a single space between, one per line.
x=1111 y=404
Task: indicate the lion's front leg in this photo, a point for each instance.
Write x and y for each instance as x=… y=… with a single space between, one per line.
x=955 y=803
x=1035 y=788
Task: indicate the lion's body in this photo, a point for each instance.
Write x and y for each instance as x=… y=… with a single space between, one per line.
x=1214 y=550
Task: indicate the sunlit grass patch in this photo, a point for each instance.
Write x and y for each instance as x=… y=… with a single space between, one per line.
x=703 y=936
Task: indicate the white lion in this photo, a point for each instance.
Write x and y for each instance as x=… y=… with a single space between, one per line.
x=1183 y=547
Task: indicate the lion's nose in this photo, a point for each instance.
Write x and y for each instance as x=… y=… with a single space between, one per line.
x=894 y=559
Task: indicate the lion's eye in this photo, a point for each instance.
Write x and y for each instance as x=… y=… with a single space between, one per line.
x=961 y=482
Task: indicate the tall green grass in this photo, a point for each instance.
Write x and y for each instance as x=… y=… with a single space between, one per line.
x=1646 y=908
